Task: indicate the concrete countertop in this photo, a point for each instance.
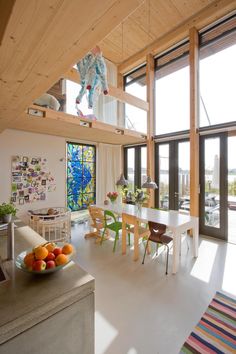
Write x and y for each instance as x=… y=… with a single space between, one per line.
x=27 y=299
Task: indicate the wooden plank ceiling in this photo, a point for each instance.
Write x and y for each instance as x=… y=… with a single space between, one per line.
x=43 y=39
x=153 y=20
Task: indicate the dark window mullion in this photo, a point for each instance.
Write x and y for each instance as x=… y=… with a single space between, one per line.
x=138 y=167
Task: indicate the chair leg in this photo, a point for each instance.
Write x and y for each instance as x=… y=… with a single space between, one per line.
x=102 y=237
x=167 y=258
x=157 y=246
x=145 y=251
x=186 y=238
x=116 y=238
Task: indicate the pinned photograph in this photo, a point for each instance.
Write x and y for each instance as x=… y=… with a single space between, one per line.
x=42 y=196
x=21 y=193
x=16 y=179
x=21 y=201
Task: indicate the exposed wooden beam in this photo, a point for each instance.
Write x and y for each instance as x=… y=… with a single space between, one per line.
x=44 y=39
x=150 y=78
x=194 y=121
x=120 y=105
x=125 y=97
x=5 y=11
x=209 y=14
x=115 y=92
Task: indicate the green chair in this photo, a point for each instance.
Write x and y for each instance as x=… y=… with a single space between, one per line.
x=114 y=225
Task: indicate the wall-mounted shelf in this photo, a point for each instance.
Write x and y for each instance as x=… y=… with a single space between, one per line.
x=66 y=125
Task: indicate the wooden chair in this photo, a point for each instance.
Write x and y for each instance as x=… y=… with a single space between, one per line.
x=157 y=235
x=130 y=224
x=97 y=223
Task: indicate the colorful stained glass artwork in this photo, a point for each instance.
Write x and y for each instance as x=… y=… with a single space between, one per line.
x=90 y=187
x=81 y=172
x=89 y=153
x=74 y=152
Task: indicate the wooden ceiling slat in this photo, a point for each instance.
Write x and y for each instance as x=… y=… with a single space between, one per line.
x=213 y=12
x=41 y=42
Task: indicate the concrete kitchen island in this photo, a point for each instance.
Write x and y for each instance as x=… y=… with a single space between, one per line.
x=51 y=313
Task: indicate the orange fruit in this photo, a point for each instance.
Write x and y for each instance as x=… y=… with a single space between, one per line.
x=29 y=260
x=40 y=252
x=67 y=248
x=61 y=259
x=50 y=247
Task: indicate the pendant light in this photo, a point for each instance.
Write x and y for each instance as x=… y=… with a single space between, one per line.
x=149 y=184
x=122 y=181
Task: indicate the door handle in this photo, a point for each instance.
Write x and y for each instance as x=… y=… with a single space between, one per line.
x=176 y=194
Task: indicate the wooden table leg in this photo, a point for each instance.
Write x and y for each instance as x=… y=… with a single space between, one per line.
x=123 y=241
x=136 y=247
x=175 y=266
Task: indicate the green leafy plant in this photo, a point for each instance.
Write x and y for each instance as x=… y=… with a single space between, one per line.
x=6 y=209
x=139 y=195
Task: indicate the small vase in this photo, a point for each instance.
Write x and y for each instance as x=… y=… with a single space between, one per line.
x=7 y=217
x=139 y=206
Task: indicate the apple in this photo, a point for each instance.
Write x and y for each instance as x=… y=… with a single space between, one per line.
x=50 y=264
x=57 y=251
x=50 y=257
x=39 y=265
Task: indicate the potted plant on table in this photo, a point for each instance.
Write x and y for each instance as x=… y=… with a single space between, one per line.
x=140 y=197
x=6 y=211
x=112 y=196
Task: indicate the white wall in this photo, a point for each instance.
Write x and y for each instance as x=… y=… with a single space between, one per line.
x=14 y=142
x=53 y=148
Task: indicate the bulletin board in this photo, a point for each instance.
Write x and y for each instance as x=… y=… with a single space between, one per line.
x=31 y=180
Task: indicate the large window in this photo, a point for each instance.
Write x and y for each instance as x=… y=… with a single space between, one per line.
x=135 y=165
x=135 y=84
x=172 y=91
x=81 y=176
x=218 y=74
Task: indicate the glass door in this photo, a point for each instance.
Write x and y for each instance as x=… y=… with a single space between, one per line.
x=213 y=186
x=232 y=189
x=173 y=175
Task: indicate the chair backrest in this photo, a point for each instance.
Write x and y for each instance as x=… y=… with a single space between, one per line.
x=128 y=220
x=156 y=228
x=96 y=215
x=108 y=215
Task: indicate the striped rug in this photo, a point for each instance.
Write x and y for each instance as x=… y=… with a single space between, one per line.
x=216 y=331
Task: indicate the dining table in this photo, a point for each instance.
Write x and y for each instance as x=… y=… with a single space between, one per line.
x=176 y=222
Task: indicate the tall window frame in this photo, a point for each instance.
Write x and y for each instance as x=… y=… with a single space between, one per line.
x=212 y=41
x=80 y=175
x=167 y=63
x=136 y=118
x=137 y=163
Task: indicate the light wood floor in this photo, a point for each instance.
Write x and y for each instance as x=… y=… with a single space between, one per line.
x=140 y=310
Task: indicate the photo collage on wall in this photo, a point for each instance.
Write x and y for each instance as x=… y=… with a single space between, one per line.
x=30 y=179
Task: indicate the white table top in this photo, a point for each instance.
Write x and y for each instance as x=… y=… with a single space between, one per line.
x=170 y=218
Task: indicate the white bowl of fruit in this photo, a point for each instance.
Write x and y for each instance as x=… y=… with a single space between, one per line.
x=46 y=258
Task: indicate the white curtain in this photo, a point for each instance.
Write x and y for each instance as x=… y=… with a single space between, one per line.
x=108 y=170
